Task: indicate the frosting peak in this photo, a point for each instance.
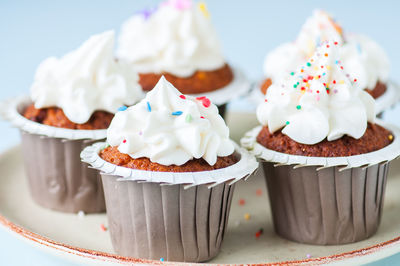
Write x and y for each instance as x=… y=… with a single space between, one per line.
x=177 y=37
x=86 y=80
x=318 y=101
x=170 y=128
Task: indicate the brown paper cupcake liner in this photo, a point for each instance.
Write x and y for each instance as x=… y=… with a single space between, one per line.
x=326 y=207
x=325 y=200
x=150 y=221
x=57 y=179
x=174 y=216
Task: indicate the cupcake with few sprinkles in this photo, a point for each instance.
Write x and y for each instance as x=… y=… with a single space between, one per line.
x=73 y=100
x=324 y=154
x=361 y=56
x=177 y=40
x=168 y=170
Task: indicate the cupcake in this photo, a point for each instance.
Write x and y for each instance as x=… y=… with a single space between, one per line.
x=361 y=57
x=324 y=154
x=178 y=41
x=168 y=172
x=72 y=102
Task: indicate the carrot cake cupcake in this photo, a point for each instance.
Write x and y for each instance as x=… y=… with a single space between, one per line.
x=73 y=100
x=324 y=154
x=168 y=170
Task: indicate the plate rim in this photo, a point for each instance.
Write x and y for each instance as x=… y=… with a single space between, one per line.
x=383 y=249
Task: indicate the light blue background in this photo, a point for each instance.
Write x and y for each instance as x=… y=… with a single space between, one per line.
x=30 y=31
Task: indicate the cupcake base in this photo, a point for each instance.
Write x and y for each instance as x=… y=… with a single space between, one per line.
x=57 y=179
x=326 y=206
x=153 y=221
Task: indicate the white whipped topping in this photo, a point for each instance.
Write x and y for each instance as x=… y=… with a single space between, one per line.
x=318 y=101
x=177 y=37
x=86 y=80
x=170 y=128
x=366 y=60
x=361 y=56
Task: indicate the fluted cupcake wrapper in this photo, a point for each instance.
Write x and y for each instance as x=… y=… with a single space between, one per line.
x=57 y=179
x=153 y=221
x=326 y=206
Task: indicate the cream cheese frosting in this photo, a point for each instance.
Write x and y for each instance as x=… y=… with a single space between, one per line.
x=318 y=101
x=86 y=80
x=361 y=56
x=177 y=38
x=170 y=128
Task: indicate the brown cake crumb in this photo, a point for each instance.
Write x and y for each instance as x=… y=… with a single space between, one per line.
x=199 y=82
x=55 y=117
x=374 y=138
x=378 y=91
x=112 y=155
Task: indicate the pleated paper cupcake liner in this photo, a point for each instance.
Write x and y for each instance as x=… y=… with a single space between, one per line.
x=150 y=221
x=240 y=170
x=57 y=179
x=325 y=200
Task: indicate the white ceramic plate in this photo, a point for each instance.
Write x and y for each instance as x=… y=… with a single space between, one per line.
x=81 y=239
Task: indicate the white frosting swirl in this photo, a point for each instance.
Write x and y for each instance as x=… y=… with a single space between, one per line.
x=318 y=101
x=170 y=128
x=86 y=80
x=178 y=38
x=366 y=60
x=361 y=56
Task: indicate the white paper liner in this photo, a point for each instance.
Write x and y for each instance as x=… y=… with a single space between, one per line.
x=388 y=153
x=239 y=86
x=387 y=100
x=240 y=170
x=11 y=110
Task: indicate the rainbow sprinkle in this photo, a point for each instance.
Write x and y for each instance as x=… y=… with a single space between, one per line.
x=148 y=107
x=122 y=108
x=177 y=113
x=188 y=118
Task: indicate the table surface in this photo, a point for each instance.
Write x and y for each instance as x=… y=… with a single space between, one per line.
x=32 y=31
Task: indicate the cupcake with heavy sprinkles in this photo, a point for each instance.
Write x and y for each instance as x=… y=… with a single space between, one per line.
x=168 y=172
x=324 y=156
x=361 y=56
x=177 y=40
x=73 y=100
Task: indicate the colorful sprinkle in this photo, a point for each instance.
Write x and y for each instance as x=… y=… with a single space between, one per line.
x=202 y=117
x=162 y=259
x=308 y=64
x=177 y=113
x=204 y=9
x=122 y=108
x=390 y=137
x=206 y=102
x=247 y=216
x=308 y=256
x=242 y=202
x=103 y=228
x=124 y=141
x=298 y=107
x=259 y=232
x=182 y=97
x=148 y=107
x=355 y=80
x=259 y=192
x=326 y=54
x=292 y=73
x=188 y=118
x=287 y=122
x=335 y=43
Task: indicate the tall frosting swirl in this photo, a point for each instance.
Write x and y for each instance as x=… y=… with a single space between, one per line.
x=361 y=56
x=170 y=128
x=177 y=37
x=318 y=101
x=86 y=80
